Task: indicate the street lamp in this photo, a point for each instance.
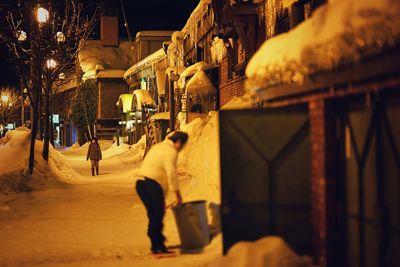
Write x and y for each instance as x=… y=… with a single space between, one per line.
x=60 y=37
x=5 y=98
x=51 y=64
x=42 y=15
x=22 y=36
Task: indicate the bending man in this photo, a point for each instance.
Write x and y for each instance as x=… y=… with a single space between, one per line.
x=158 y=173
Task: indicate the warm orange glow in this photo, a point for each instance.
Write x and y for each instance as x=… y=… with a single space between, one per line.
x=22 y=36
x=51 y=63
x=4 y=98
x=60 y=37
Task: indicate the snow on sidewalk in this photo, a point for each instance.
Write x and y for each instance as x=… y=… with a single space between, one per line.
x=85 y=221
x=77 y=225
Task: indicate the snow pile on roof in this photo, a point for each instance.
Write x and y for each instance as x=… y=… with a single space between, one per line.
x=111 y=74
x=338 y=33
x=200 y=84
x=241 y=102
x=95 y=55
x=270 y=251
x=196 y=15
x=199 y=161
x=191 y=70
x=142 y=97
x=14 y=156
x=150 y=59
x=117 y=154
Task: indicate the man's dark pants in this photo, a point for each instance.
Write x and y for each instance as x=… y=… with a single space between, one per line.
x=152 y=196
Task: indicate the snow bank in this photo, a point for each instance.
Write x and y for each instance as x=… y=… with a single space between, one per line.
x=270 y=251
x=198 y=162
x=11 y=148
x=77 y=150
x=338 y=33
x=14 y=156
x=129 y=155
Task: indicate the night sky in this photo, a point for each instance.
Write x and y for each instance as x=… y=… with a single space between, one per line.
x=141 y=15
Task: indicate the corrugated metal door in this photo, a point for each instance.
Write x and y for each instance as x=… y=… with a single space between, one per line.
x=265 y=175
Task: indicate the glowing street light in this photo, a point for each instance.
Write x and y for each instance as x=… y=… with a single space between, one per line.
x=51 y=64
x=5 y=98
x=60 y=37
x=22 y=36
x=42 y=15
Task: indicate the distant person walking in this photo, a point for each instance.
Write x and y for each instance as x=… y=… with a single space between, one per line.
x=158 y=173
x=94 y=154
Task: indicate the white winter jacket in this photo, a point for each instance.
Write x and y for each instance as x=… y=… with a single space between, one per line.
x=160 y=165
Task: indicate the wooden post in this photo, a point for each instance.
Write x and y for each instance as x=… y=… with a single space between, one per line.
x=171 y=106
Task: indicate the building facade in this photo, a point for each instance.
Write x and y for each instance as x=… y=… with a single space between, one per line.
x=345 y=102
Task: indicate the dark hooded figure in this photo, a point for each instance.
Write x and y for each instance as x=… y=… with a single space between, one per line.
x=94 y=154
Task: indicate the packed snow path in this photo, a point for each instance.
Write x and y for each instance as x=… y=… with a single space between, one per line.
x=97 y=221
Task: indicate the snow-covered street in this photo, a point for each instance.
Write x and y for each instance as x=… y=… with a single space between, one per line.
x=92 y=221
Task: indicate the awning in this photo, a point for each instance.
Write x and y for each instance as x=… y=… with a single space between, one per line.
x=141 y=98
x=200 y=84
x=125 y=102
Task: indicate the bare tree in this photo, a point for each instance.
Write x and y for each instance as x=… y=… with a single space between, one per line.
x=44 y=41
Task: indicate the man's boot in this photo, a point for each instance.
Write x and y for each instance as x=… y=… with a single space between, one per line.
x=92 y=171
x=97 y=171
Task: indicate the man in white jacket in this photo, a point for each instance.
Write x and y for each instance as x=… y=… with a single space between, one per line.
x=158 y=173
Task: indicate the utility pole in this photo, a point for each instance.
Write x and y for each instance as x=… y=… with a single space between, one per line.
x=172 y=79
